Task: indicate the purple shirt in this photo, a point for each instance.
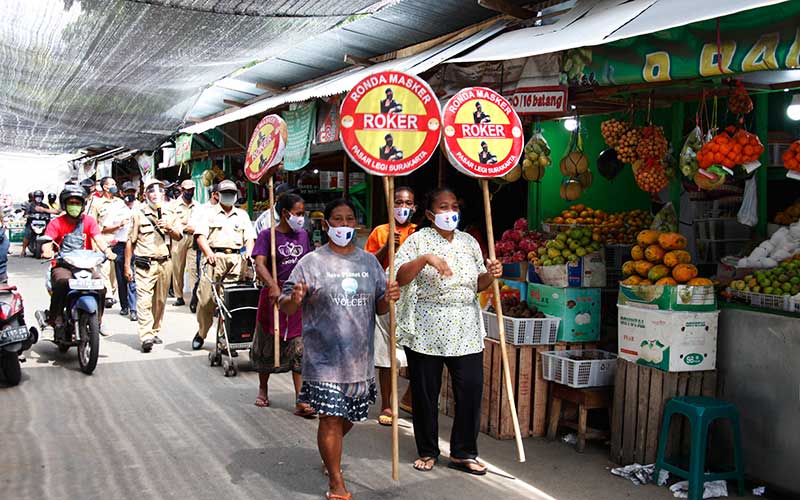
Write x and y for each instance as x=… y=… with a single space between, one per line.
x=290 y=248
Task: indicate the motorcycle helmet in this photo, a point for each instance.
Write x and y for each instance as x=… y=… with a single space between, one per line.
x=88 y=186
x=51 y=198
x=38 y=196
x=72 y=191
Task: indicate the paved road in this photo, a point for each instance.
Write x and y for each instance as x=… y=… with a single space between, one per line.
x=165 y=425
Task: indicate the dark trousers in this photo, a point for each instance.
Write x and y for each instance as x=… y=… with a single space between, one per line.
x=466 y=374
x=126 y=290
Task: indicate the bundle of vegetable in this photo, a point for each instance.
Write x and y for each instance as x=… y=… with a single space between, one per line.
x=626 y=146
x=739 y=102
x=612 y=130
x=650 y=175
x=688 y=160
x=791 y=157
x=729 y=148
x=652 y=144
x=535 y=158
x=785 y=243
x=660 y=259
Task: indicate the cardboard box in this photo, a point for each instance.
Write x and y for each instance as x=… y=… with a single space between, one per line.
x=668 y=297
x=589 y=271
x=674 y=341
x=578 y=308
x=517 y=271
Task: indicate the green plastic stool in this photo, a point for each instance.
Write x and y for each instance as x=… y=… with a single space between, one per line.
x=701 y=412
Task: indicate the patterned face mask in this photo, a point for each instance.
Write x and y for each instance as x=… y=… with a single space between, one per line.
x=341 y=236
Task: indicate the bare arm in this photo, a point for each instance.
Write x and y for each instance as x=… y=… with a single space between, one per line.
x=289 y=304
x=202 y=244
x=495 y=270
x=128 y=257
x=411 y=269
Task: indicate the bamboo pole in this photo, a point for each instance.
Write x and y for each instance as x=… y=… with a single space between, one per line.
x=388 y=187
x=275 y=319
x=487 y=205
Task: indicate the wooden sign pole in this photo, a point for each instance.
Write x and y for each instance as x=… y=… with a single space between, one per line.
x=498 y=307
x=275 y=319
x=388 y=187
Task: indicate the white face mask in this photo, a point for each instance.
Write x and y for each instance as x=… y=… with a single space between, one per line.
x=341 y=236
x=296 y=222
x=447 y=221
x=401 y=215
x=227 y=199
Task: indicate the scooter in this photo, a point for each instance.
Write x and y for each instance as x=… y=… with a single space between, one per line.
x=81 y=313
x=15 y=336
x=38 y=223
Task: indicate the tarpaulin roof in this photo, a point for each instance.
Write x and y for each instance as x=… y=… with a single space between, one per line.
x=595 y=22
x=343 y=82
x=77 y=73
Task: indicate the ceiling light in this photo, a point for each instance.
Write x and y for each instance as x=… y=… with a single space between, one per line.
x=571 y=124
x=793 y=111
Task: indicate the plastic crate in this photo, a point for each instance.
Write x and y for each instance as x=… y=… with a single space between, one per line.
x=616 y=255
x=794 y=305
x=777 y=302
x=597 y=371
x=523 y=331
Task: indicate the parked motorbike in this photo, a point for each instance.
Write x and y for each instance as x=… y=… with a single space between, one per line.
x=81 y=313
x=15 y=336
x=38 y=223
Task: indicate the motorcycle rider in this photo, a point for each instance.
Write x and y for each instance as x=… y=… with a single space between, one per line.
x=35 y=204
x=52 y=198
x=71 y=231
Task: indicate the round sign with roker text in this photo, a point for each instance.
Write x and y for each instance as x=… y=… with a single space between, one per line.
x=267 y=147
x=391 y=123
x=482 y=133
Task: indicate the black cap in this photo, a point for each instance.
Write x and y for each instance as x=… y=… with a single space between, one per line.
x=285 y=188
x=128 y=186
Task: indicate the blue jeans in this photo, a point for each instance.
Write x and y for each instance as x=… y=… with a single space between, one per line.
x=126 y=290
x=5 y=242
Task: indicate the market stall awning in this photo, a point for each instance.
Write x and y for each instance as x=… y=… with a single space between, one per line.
x=595 y=22
x=343 y=82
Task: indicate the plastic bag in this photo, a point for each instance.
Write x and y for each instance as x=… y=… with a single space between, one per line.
x=536 y=156
x=748 y=213
x=666 y=220
x=688 y=158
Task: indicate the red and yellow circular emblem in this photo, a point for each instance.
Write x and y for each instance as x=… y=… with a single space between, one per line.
x=391 y=123
x=267 y=147
x=482 y=133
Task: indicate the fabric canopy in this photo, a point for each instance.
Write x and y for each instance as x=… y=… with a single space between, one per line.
x=115 y=72
x=595 y=22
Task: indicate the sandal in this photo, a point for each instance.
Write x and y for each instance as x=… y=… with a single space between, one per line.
x=306 y=412
x=424 y=466
x=464 y=466
x=262 y=402
x=331 y=496
x=385 y=418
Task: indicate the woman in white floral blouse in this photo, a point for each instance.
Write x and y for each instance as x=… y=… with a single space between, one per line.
x=441 y=270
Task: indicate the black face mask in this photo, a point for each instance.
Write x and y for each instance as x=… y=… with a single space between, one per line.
x=130 y=198
x=389 y=143
x=187 y=195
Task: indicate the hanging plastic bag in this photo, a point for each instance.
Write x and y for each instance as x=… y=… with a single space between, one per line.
x=688 y=159
x=748 y=213
x=666 y=220
x=536 y=157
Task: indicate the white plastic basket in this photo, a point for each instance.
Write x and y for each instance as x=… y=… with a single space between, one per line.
x=777 y=302
x=523 y=331
x=596 y=371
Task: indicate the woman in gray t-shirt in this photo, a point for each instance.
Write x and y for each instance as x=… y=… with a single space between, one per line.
x=340 y=288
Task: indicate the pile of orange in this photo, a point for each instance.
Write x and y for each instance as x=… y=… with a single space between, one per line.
x=733 y=146
x=579 y=214
x=791 y=157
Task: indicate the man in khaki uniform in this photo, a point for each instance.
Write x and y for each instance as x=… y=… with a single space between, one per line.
x=105 y=209
x=182 y=251
x=149 y=238
x=221 y=233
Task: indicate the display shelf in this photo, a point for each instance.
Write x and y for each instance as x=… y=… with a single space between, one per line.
x=723 y=304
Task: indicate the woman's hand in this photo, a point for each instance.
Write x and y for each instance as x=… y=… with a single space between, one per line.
x=392 y=292
x=299 y=293
x=439 y=264
x=494 y=267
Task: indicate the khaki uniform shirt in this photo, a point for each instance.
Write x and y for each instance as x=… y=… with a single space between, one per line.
x=105 y=210
x=145 y=236
x=181 y=213
x=225 y=230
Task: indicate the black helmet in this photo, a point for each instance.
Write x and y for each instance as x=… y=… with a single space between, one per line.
x=72 y=191
x=87 y=185
x=51 y=197
x=38 y=194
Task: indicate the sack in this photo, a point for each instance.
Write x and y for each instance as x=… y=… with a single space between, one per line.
x=748 y=213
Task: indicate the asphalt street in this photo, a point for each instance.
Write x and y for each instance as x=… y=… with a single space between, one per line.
x=166 y=425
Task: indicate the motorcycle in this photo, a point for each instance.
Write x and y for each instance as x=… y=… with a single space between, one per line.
x=38 y=223
x=81 y=313
x=15 y=336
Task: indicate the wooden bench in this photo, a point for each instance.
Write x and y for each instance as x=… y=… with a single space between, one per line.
x=595 y=398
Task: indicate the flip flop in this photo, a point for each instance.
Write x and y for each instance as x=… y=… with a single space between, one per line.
x=426 y=459
x=464 y=467
x=385 y=418
x=331 y=496
x=262 y=402
x=306 y=412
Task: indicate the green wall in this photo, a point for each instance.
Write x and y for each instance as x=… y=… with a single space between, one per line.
x=615 y=195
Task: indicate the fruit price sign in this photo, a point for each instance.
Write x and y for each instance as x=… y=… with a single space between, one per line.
x=267 y=147
x=390 y=123
x=482 y=133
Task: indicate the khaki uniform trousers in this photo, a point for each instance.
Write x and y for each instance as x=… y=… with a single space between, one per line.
x=228 y=268
x=151 y=296
x=182 y=252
